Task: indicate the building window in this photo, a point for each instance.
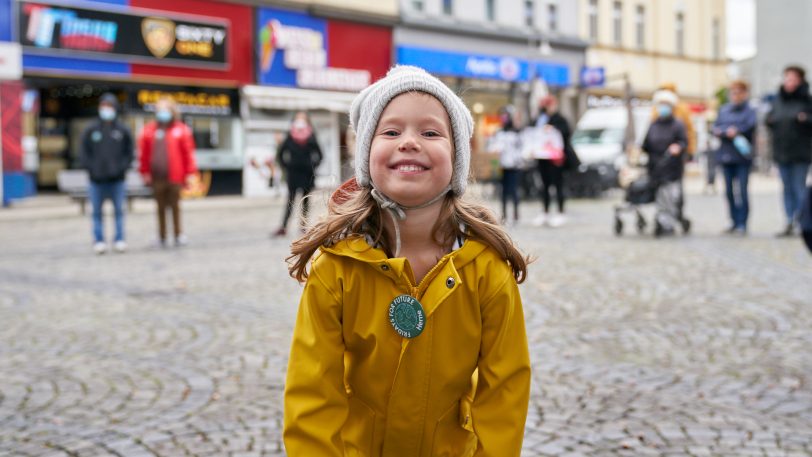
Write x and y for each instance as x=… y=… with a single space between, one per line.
x=529 y=13
x=448 y=7
x=593 y=20
x=717 y=40
x=552 y=17
x=417 y=5
x=680 y=34
x=640 y=26
x=490 y=10
x=617 y=23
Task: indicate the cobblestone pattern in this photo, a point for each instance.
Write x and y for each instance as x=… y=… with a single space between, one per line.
x=695 y=346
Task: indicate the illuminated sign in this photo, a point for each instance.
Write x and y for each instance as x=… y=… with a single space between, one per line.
x=194 y=102
x=293 y=52
x=152 y=37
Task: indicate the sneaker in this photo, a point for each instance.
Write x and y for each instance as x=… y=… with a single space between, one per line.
x=739 y=231
x=181 y=241
x=788 y=231
x=120 y=246
x=282 y=231
x=159 y=244
x=540 y=220
x=99 y=248
x=558 y=220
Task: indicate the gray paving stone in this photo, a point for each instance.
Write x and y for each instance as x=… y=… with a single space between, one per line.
x=674 y=347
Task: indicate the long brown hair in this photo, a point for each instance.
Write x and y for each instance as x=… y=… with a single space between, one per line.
x=357 y=213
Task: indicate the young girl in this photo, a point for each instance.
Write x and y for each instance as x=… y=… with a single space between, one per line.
x=410 y=338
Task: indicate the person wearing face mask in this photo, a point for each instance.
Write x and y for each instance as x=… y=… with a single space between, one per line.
x=299 y=155
x=106 y=152
x=665 y=143
x=790 y=122
x=167 y=163
x=508 y=144
x=552 y=171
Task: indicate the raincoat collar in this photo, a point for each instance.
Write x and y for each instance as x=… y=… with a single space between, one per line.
x=356 y=247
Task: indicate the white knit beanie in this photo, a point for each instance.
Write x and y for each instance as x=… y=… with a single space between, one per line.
x=665 y=96
x=368 y=106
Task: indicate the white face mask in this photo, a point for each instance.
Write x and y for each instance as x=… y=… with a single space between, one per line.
x=299 y=124
x=107 y=113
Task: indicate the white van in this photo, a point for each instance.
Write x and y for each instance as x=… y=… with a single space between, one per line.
x=598 y=141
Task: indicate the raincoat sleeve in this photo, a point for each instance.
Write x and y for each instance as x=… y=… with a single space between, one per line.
x=499 y=409
x=315 y=398
x=188 y=147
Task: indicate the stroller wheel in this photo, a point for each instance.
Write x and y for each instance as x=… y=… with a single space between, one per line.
x=686 y=226
x=618 y=226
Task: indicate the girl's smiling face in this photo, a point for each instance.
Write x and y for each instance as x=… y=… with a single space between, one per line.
x=411 y=156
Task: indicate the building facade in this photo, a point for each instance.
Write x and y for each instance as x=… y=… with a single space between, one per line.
x=654 y=42
x=494 y=54
x=314 y=59
x=140 y=50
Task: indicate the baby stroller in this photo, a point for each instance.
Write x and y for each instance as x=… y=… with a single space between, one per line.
x=643 y=191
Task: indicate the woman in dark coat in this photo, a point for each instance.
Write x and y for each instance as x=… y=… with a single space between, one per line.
x=665 y=144
x=299 y=156
x=790 y=122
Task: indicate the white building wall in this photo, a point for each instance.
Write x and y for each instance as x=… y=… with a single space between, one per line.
x=783 y=36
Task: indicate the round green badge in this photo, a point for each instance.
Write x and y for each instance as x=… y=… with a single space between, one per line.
x=406 y=316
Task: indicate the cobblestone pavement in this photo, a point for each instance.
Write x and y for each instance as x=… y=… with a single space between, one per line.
x=695 y=346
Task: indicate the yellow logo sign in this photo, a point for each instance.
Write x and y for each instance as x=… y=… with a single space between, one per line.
x=159 y=35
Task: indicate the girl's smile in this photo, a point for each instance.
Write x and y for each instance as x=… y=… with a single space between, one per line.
x=412 y=151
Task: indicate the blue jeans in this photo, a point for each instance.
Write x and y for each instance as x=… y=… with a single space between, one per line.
x=736 y=178
x=793 y=176
x=98 y=193
x=510 y=191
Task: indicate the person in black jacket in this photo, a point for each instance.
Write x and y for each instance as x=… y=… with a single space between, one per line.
x=299 y=156
x=790 y=122
x=552 y=171
x=665 y=144
x=106 y=152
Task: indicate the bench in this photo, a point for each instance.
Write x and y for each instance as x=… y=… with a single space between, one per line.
x=76 y=183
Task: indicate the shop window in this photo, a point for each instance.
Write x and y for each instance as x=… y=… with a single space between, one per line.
x=417 y=5
x=448 y=7
x=680 y=34
x=211 y=132
x=490 y=10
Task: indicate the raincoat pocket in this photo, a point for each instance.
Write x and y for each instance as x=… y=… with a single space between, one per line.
x=359 y=429
x=451 y=438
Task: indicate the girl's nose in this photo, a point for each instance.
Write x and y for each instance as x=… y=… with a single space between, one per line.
x=408 y=143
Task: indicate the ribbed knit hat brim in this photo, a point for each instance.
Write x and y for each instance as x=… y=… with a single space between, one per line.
x=368 y=106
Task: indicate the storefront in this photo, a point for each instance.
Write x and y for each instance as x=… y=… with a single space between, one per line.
x=139 y=50
x=312 y=64
x=490 y=72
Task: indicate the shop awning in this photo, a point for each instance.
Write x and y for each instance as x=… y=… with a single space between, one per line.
x=283 y=98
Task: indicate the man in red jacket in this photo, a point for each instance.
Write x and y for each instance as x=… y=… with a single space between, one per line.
x=167 y=163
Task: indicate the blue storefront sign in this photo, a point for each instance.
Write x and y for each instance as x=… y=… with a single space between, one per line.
x=593 y=76
x=502 y=68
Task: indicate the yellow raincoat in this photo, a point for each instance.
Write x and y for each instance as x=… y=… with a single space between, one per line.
x=357 y=388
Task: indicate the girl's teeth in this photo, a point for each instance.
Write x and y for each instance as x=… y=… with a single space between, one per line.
x=408 y=168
